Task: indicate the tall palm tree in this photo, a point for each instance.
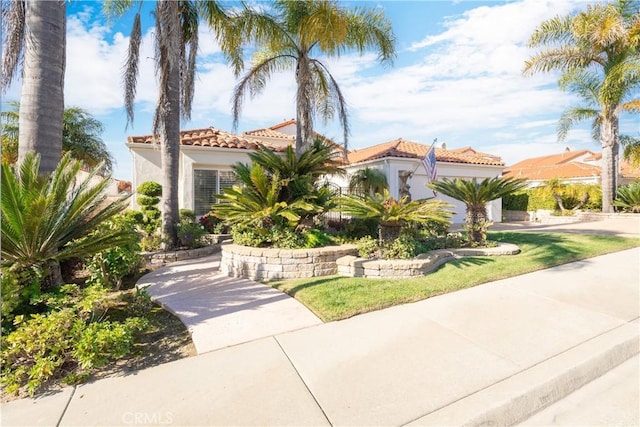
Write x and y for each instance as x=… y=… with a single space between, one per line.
x=176 y=42
x=289 y=38
x=368 y=181
x=598 y=53
x=475 y=195
x=80 y=136
x=35 y=38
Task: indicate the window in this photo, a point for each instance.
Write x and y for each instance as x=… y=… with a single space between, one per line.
x=206 y=184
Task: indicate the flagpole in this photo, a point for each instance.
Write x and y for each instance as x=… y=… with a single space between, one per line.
x=418 y=165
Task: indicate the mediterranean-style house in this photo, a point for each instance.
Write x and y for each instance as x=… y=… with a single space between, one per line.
x=571 y=167
x=207 y=154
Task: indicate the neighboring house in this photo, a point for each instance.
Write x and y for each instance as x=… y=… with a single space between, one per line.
x=206 y=157
x=571 y=167
x=400 y=157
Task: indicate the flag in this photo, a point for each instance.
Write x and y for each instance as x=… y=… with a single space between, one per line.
x=429 y=163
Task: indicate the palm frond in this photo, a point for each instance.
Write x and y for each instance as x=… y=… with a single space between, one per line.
x=130 y=74
x=255 y=80
x=189 y=17
x=574 y=115
x=13 y=21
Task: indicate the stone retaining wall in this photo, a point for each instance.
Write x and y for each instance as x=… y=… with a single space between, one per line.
x=352 y=266
x=172 y=256
x=273 y=264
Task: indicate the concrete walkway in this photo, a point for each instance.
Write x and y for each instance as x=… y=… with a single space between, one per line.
x=491 y=355
x=220 y=311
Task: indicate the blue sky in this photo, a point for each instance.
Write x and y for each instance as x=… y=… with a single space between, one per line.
x=457 y=77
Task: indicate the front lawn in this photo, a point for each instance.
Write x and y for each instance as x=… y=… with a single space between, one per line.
x=335 y=297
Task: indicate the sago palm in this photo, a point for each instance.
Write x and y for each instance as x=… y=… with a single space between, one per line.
x=289 y=39
x=628 y=197
x=258 y=203
x=49 y=218
x=392 y=214
x=368 y=181
x=176 y=43
x=300 y=176
x=80 y=136
x=475 y=195
x=598 y=53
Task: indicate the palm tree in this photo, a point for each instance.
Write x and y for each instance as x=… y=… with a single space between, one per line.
x=598 y=53
x=368 y=181
x=475 y=195
x=35 y=38
x=259 y=203
x=300 y=176
x=49 y=218
x=631 y=152
x=392 y=214
x=80 y=136
x=176 y=40
x=290 y=37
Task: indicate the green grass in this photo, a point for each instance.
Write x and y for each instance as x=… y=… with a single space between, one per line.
x=335 y=297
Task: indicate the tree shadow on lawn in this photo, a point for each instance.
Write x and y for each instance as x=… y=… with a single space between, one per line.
x=548 y=249
x=320 y=281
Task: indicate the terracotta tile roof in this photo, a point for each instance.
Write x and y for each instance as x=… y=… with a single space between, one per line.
x=550 y=160
x=207 y=137
x=283 y=124
x=268 y=133
x=563 y=170
x=414 y=150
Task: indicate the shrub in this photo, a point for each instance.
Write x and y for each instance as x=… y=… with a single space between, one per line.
x=148 y=199
x=367 y=247
x=314 y=238
x=286 y=238
x=356 y=228
x=212 y=224
x=187 y=215
x=250 y=236
x=71 y=334
x=190 y=234
x=628 y=197
x=404 y=247
x=150 y=189
x=109 y=267
x=134 y=216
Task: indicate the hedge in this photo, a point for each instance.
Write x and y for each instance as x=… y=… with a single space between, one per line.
x=533 y=199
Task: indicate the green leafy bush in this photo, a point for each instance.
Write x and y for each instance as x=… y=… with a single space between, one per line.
x=190 y=234
x=69 y=336
x=213 y=225
x=404 y=247
x=314 y=238
x=187 y=215
x=250 y=236
x=150 y=189
x=533 y=199
x=367 y=247
x=628 y=197
x=286 y=238
x=109 y=267
x=148 y=199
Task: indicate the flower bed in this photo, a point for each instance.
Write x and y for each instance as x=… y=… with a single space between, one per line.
x=353 y=266
x=273 y=264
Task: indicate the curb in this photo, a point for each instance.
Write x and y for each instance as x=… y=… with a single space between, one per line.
x=518 y=397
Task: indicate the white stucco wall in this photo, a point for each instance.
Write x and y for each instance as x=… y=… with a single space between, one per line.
x=418 y=190
x=147 y=167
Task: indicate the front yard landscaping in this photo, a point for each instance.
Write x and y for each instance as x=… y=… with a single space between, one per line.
x=335 y=298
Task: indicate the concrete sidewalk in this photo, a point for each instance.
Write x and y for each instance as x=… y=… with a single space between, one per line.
x=490 y=355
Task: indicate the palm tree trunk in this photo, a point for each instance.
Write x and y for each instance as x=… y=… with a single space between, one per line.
x=476 y=217
x=42 y=100
x=304 y=122
x=170 y=124
x=608 y=139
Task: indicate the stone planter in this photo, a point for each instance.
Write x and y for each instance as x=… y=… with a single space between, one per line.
x=172 y=256
x=267 y=264
x=352 y=266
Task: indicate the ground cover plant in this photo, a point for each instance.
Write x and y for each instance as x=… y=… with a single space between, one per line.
x=334 y=298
